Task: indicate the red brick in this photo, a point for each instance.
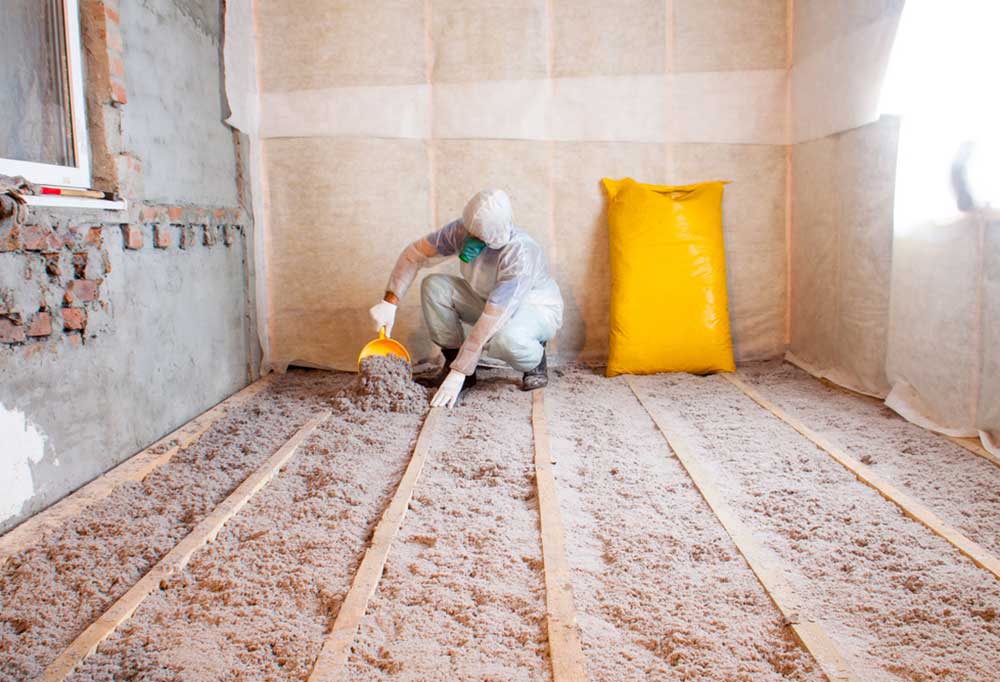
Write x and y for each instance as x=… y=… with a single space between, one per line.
x=187 y=236
x=148 y=214
x=85 y=289
x=10 y=238
x=115 y=44
x=161 y=237
x=74 y=319
x=36 y=237
x=52 y=268
x=112 y=15
x=133 y=236
x=11 y=331
x=95 y=236
x=41 y=325
x=118 y=93
x=210 y=237
x=117 y=67
x=80 y=259
x=175 y=213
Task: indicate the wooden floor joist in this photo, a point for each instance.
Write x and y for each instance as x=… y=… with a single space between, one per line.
x=974 y=446
x=910 y=506
x=560 y=611
x=135 y=468
x=331 y=663
x=765 y=564
x=177 y=558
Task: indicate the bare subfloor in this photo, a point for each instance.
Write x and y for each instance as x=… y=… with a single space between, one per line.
x=662 y=593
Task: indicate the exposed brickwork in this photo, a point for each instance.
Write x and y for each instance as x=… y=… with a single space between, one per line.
x=74 y=319
x=133 y=236
x=10 y=238
x=187 y=240
x=59 y=263
x=40 y=325
x=52 y=266
x=210 y=237
x=95 y=237
x=84 y=289
x=80 y=260
x=40 y=238
x=161 y=237
x=11 y=330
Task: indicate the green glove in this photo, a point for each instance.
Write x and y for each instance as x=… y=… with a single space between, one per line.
x=471 y=248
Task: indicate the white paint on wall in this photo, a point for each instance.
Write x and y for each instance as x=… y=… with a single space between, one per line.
x=21 y=444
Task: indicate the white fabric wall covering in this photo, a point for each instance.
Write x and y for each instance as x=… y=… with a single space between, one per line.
x=944 y=362
x=842 y=254
x=927 y=338
x=243 y=94
x=732 y=107
x=988 y=419
x=934 y=318
x=837 y=87
x=381 y=119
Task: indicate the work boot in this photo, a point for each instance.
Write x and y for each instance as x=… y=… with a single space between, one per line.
x=537 y=377
x=435 y=380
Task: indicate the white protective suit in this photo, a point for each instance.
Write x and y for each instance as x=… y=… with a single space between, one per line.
x=505 y=293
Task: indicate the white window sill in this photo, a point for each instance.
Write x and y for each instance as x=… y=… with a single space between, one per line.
x=56 y=201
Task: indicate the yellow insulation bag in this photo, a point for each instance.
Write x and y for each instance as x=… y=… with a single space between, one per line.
x=668 y=279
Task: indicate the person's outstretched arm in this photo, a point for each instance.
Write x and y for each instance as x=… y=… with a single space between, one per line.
x=419 y=254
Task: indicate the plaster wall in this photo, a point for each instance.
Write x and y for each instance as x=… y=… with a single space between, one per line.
x=118 y=327
x=172 y=121
x=381 y=119
x=170 y=339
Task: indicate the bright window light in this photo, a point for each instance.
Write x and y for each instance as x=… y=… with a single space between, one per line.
x=942 y=79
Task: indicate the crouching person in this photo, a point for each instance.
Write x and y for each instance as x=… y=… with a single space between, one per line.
x=505 y=293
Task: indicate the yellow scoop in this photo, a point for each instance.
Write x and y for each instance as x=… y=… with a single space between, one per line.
x=383 y=345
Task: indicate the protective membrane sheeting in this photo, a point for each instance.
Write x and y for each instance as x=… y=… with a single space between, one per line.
x=382 y=119
x=243 y=97
x=988 y=418
x=935 y=352
x=840 y=55
x=934 y=309
x=841 y=254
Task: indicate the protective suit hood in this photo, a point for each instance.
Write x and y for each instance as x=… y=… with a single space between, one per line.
x=489 y=216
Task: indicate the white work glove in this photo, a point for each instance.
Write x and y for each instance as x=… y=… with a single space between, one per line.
x=384 y=315
x=448 y=392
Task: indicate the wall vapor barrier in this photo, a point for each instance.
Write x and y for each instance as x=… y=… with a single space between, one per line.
x=243 y=96
x=727 y=107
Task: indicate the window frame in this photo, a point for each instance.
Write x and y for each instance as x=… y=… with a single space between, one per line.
x=51 y=174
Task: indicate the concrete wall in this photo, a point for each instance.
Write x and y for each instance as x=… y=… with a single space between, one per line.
x=117 y=327
x=173 y=76
x=382 y=119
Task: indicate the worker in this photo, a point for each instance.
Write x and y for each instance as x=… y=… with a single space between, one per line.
x=505 y=293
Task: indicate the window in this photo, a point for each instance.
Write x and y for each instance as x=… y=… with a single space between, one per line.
x=43 y=126
x=941 y=80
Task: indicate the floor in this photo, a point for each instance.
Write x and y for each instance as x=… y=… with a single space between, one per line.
x=661 y=590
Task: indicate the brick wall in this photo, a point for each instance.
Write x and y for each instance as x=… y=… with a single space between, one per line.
x=55 y=263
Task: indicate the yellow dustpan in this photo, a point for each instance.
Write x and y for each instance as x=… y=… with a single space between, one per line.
x=383 y=345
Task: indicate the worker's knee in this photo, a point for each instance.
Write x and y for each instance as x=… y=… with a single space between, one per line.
x=519 y=350
x=437 y=288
